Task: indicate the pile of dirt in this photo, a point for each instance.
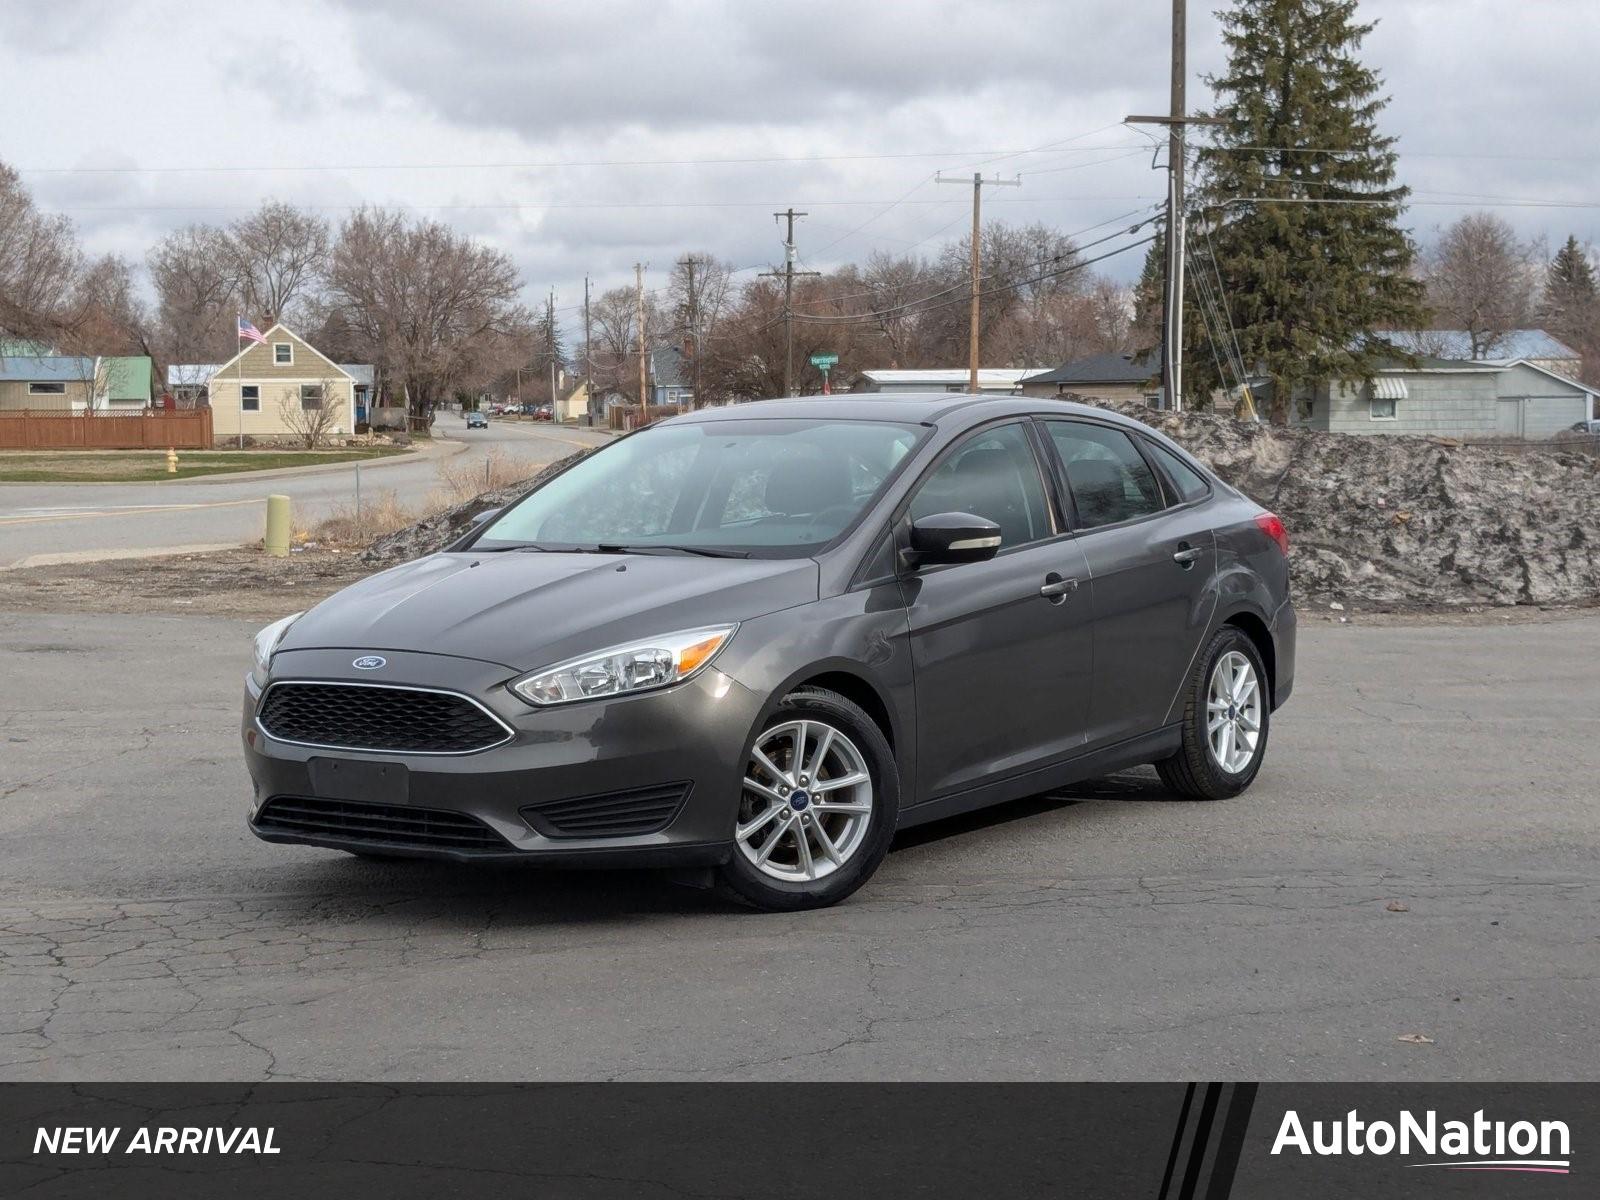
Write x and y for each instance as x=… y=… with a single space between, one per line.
x=1383 y=521
x=1403 y=521
x=434 y=533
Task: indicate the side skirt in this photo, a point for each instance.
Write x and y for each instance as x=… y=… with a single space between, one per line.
x=1132 y=752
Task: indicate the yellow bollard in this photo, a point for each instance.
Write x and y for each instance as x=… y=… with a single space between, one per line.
x=277 y=539
x=172 y=461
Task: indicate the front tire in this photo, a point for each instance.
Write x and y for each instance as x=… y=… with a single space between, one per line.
x=818 y=807
x=1225 y=721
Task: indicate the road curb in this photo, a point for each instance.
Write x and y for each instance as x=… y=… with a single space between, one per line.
x=448 y=448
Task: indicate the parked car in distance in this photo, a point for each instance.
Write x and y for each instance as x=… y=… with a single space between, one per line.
x=542 y=412
x=1592 y=426
x=477 y=420
x=756 y=641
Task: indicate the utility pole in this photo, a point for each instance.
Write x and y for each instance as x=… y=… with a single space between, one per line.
x=638 y=283
x=588 y=362
x=550 y=346
x=1176 y=122
x=689 y=262
x=787 y=275
x=977 y=262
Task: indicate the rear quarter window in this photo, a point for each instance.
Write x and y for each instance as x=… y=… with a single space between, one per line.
x=1190 y=483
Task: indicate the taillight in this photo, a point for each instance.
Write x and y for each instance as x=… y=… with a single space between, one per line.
x=1272 y=525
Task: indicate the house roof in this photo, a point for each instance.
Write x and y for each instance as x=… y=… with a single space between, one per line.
x=1457 y=344
x=190 y=374
x=362 y=373
x=668 y=367
x=128 y=377
x=31 y=368
x=952 y=376
x=1131 y=368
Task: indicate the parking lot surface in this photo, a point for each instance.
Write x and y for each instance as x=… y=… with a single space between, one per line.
x=1419 y=857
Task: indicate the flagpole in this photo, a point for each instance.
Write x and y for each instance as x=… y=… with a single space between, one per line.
x=238 y=321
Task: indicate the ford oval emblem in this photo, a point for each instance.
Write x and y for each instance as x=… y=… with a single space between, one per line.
x=370 y=662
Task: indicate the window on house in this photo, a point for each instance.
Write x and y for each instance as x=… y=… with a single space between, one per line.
x=283 y=354
x=47 y=389
x=250 y=398
x=310 y=396
x=1382 y=410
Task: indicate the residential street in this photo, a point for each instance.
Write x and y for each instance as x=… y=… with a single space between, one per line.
x=95 y=519
x=1418 y=857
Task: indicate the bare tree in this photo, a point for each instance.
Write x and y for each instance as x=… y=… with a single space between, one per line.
x=276 y=256
x=311 y=413
x=1480 y=279
x=39 y=259
x=424 y=303
x=615 y=318
x=196 y=296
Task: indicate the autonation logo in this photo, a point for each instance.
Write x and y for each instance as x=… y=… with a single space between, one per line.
x=1476 y=1145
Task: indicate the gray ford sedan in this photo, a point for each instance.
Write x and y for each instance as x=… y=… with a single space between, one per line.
x=755 y=641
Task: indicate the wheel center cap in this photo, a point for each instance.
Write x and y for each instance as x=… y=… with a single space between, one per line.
x=799 y=800
x=1233 y=712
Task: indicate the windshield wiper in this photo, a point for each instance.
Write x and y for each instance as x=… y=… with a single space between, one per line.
x=703 y=551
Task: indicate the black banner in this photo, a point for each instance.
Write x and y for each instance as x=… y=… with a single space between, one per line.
x=1162 y=1141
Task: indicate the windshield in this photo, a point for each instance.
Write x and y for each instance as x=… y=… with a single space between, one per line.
x=760 y=486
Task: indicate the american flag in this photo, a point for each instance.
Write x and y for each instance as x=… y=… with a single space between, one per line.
x=247 y=330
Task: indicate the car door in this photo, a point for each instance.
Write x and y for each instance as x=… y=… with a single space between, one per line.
x=1000 y=649
x=1150 y=557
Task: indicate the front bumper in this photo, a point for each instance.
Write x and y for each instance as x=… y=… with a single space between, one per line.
x=694 y=734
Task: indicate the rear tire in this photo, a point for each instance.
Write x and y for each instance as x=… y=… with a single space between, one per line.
x=818 y=807
x=1198 y=770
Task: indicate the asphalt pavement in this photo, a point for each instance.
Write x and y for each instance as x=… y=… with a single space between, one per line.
x=1419 y=857
x=50 y=522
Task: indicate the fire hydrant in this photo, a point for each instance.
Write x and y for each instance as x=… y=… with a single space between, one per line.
x=172 y=461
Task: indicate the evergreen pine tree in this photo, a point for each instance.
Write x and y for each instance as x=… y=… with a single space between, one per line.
x=1569 y=290
x=1307 y=284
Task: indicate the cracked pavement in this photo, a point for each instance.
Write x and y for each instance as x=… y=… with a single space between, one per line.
x=1106 y=932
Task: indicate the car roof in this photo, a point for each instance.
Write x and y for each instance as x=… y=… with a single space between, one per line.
x=921 y=407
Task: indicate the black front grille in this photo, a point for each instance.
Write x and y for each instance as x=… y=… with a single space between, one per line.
x=364 y=717
x=388 y=824
x=612 y=814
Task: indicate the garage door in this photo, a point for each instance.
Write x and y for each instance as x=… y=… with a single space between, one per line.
x=1546 y=416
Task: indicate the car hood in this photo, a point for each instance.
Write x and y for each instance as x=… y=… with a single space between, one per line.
x=527 y=609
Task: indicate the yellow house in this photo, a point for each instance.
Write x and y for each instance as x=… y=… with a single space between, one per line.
x=280 y=391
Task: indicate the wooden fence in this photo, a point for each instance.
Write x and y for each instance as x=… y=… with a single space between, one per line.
x=148 y=429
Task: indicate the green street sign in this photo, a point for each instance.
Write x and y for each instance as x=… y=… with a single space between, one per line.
x=823 y=361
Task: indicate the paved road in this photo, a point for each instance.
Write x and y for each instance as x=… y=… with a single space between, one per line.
x=1111 y=933
x=101 y=519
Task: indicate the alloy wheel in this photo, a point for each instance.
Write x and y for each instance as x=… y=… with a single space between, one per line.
x=806 y=804
x=1233 y=712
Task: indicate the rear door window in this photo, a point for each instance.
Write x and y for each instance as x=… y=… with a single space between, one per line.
x=1110 y=480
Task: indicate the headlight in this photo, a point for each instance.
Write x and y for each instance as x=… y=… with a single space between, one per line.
x=636 y=667
x=267 y=641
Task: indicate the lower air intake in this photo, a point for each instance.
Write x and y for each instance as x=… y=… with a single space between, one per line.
x=611 y=814
x=377 y=824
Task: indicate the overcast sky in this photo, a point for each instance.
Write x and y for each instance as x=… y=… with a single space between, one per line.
x=476 y=111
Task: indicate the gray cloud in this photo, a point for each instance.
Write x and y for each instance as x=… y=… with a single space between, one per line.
x=1485 y=103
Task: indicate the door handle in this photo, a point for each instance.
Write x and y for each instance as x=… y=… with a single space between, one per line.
x=1055 y=587
x=1187 y=555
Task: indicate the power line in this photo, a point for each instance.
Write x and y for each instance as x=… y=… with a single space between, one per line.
x=547 y=164
x=855 y=318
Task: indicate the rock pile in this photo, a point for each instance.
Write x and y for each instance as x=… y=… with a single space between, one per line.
x=1404 y=521
x=1384 y=521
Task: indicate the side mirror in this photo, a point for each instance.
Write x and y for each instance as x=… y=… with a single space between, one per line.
x=952 y=537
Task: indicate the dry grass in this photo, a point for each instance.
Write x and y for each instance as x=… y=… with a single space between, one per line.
x=458 y=483
x=384 y=512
